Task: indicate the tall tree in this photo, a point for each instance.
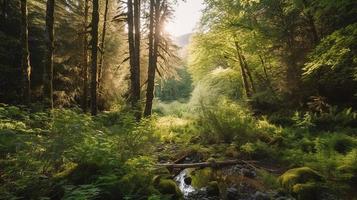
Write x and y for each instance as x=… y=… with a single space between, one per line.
x=25 y=61
x=85 y=57
x=154 y=40
x=48 y=69
x=3 y=12
x=102 y=46
x=94 y=46
x=133 y=17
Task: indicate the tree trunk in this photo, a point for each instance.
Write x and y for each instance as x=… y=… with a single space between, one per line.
x=246 y=67
x=85 y=58
x=131 y=41
x=134 y=51
x=243 y=72
x=102 y=47
x=94 y=45
x=3 y=13
x=25 y=61
x=137 y=7
x=48 y=70
x=154 y=39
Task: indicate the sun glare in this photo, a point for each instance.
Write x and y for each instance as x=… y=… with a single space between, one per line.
x=187 y=15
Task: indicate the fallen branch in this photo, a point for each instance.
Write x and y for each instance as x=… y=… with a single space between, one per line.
x=204 y=164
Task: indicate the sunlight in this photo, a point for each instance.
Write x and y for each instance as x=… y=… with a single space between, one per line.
x=186 y=16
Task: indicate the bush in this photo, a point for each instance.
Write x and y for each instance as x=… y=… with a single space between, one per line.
x=226 y=121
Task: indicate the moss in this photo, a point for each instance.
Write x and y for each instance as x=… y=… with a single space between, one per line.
x=84 y=173
x=211 y=160
x=213 y=188
x=306 y=191
x=302 y=182
x=232 y=152
x=169 y=187
x=298 y=175
x=68 y=169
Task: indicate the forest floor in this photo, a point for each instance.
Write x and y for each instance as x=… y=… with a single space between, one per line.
x=65 y=154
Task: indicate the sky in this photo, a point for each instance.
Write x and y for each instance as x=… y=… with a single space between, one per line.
x=187 y=15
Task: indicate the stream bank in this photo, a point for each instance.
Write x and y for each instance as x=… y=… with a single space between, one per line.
x=236 y=182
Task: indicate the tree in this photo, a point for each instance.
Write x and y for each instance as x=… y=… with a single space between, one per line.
x=94 y=46
x=25 y=61
x=85 y=57
x=133 y=19
x=154 y=36
x=102 y=46
x=3 y=12
x=48 y=69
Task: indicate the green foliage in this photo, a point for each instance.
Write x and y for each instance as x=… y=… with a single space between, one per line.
x=332 y=65
x=72 y=155
x=227 y=121
x=176 y=88
x=82 y=192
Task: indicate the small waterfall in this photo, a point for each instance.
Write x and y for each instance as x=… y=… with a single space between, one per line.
x=180 y=179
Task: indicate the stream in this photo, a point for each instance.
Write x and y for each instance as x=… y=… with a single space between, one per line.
x=238 y=182
x=180 y=179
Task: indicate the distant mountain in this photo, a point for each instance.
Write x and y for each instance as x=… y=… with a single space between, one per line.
x=183 y=40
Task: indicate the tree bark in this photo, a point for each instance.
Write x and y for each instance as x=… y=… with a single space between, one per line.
x=243 y=72
x=3 y=13
x=94 y=45
x=134 y=51
x=246 y=67
x=48 y=70
x=154 y=40
x=85 y=58
x=102 y=47
x=131 y=41
x=25 y=61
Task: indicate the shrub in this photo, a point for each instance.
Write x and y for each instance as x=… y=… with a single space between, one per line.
x=225 y=121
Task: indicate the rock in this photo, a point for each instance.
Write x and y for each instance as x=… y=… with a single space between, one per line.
x=284 y=198
x=213 y=189
x=307 y=191
x=248 y=173
x=260 y=196
x=232 y=193
x=303 y=182
x=187 y=180
x=169 y=187
x=298 y=175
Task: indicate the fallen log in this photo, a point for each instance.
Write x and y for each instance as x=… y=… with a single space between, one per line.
x=204 y=164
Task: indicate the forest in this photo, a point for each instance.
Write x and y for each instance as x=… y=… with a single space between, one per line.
x=99 y=101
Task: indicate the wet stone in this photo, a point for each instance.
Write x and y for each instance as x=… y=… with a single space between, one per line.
x=232 y=193
x=187 y=180
x=260 y=196
x=248 y=173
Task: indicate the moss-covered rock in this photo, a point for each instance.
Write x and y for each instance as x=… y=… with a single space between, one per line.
x=169 y=187
x=298 y=175
x=306 y=191
x=213 y=188
x=303 y=182
x=78 y=173
x=232 y=152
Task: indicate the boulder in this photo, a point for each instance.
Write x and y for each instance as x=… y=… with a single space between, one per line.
x=212 y=188
x=304 y=182
x=169 y=187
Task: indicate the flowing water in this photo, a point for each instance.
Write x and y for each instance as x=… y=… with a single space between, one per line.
x=180 y=179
